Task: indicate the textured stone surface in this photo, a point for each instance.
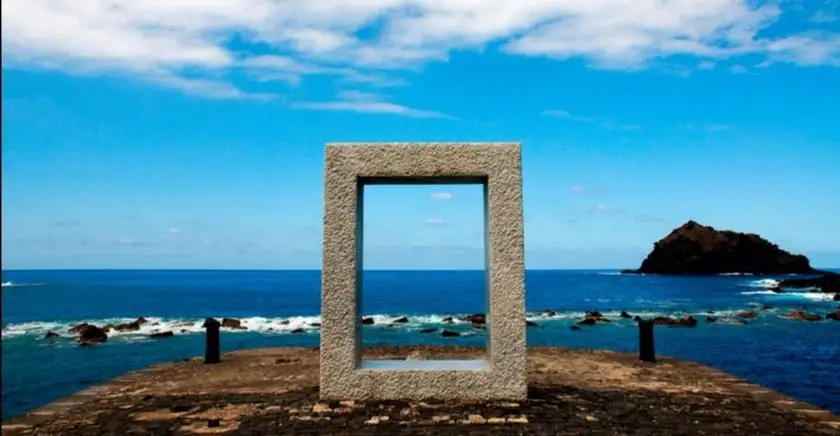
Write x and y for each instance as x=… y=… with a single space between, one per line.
x=348 y=167
x=571 y=392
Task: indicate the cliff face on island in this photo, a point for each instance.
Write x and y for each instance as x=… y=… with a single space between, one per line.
x=695 y=249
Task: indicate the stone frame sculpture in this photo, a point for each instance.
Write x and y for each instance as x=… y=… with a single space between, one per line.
x=351 y=166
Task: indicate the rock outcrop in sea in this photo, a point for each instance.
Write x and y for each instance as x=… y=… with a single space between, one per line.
x=695 y=249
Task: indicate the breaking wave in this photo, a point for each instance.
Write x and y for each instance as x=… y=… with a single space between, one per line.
x=20 y=285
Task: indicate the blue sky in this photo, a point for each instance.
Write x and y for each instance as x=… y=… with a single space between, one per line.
x=190 y=134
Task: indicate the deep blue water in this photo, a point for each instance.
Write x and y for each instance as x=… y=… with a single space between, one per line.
x=801 y=359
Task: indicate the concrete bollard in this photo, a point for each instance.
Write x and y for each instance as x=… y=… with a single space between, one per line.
x=212 y=347
x=646 y=350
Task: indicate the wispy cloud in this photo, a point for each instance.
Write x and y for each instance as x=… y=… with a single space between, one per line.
x=355 y=101
x=601 y=209
x=186 y=44
x=738 y=69
x=441 y=196
x=603 y=122
x=577 y=188
x=705 y=65
x=822 y=16
x=173 y=231
x=435 y=222
x=565 y=115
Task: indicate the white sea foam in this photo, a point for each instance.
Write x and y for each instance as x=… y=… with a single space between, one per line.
x=763 y=283
x=11 y=284
x=768 y=292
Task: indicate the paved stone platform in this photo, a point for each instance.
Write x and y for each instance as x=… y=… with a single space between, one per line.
x=571 y=392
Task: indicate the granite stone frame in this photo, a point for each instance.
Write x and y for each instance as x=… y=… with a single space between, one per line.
x=348 y=167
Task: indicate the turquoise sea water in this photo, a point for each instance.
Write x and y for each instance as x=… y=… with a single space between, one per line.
x=799 y=358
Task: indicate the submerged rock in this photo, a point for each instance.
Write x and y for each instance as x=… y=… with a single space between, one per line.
x=233 y=323
x=531 y=323
x=449 y=334
x=367 y=321
x=92 y=335
x=624 y=315
x=79 y=329
x=828 y=282
x=51 y=335
x=400 y=320
x=161 y=335
x=574 y=327
x=695 y=249
x=476 y=318
x=448 y=320
x=834 y=315
x=747 y=314
x=587 y=321
x=710 y=319
x=428 y=330
x=128 y=327
x=688 y=321
x=297 y=331
x=802 y=316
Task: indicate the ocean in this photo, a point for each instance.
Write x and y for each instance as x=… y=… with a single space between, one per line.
x=798 y=358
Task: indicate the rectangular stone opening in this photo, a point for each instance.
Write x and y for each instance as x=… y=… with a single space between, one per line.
x=416 y=236
x=349 y=166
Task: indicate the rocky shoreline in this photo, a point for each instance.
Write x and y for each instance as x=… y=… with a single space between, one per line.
x=275 y=391
x=87 y=334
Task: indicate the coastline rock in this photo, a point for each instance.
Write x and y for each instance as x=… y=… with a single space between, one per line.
x=637 y=318
x=80 y=328
x=695 y=249
x=233 y=323
x=837 y=297
x=747 y=314
x=828 y=282
x=802 y=316
x=834 y=315
x=161 y=335
x=448 y=320
x=128 y=327
x=624 y=315
x=711 y=319
x=476 y=318
x=449 y=334
x=297 y=331
x=315 y=324
x=667 y=321
x=546 y=312
x=587 y=321
x=479 y=326
x=367 y=321
x=531 y=324
x=92 y=335
x=51 y=335
x=400 y=320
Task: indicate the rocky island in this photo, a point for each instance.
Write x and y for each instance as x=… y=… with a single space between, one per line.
x=695 y=249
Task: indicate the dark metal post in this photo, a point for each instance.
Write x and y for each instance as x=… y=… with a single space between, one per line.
x=212 y=348
x=646 y=351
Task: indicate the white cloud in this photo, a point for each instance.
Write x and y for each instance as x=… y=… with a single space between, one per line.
x=441 y=196
x=194 y=45
x=601 y=208
x=706 y=65
x=565 y=115
x=578 y=188
x=435 y=222
x=356 y=101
